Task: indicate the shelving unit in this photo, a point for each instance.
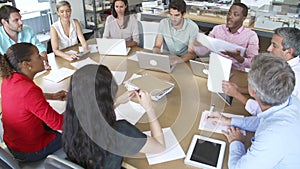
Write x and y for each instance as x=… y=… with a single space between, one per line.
x=94 y=13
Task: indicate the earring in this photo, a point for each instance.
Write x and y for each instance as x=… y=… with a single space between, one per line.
x=29 y=68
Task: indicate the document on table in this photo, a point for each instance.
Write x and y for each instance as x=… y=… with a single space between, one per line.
x=58 y=105
x=209 y=126
x=218 y=45
x=93 y=48
x=58 y=75
x=219 y=70
x=133 y=57
x=79 y=64
x=39 y=74
x=173 y=149
x=119 y=76
x=130 y=111
x=70 y=52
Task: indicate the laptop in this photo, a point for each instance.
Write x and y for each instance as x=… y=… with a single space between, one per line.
x=199 y=68
x=154 y=61
x=227 y=99
x=112 y=47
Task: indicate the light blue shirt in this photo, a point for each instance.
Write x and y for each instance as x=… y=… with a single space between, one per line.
x=177 y=41
x=276 y=143
x=26 y=35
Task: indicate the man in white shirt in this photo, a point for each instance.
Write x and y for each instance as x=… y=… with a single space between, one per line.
x=286 y=44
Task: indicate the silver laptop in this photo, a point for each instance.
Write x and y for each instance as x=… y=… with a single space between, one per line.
x=112 y=46
x=154 y=61
x=199 y=68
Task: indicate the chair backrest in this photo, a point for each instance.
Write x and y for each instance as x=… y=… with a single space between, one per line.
x=149 y=33
x=54 y=162
x=7 y=161
x=141 y=35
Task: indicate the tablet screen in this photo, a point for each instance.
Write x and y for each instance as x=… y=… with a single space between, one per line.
x=206 y=152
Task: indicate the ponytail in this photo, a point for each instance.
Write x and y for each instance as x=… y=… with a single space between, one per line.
x=6 y=68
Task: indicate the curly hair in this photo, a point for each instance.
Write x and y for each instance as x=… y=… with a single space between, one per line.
x=15 y=54
x=78 y=145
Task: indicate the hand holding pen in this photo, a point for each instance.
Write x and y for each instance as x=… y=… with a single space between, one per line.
x=217 y=117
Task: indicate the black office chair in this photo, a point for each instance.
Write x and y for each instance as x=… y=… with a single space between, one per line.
x=49 y=47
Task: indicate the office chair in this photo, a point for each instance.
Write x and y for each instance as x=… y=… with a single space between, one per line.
x=7 y=161
x=54 y=162
x=141 y=35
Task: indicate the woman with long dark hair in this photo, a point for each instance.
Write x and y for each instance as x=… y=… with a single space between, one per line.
x=29 y=122
x=122 y=25
x=92 y=137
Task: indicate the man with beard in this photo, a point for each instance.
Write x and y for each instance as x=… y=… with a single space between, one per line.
x=13 y=31
x=234 y=32
x=177 y=33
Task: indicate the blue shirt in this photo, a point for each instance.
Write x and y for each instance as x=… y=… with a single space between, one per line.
x=26 y=35
x=276 y=140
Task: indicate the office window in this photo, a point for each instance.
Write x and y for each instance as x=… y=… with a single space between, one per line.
x=35 y=13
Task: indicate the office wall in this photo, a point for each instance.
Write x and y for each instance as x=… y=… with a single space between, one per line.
x=77 y=8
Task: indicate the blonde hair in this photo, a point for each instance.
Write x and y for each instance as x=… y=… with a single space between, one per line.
x=62 y=3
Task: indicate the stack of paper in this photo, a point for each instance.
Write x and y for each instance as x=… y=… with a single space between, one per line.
x=130 y=111
x=58 y=75
x=215 y=127
x=173 y=149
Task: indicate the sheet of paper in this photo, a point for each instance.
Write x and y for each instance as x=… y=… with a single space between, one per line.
x=58 y=75
x=133 y=57
x=79 y=64
x=58 y=105
x=93 y=48
x=218 y=45
x=40 y=73
x=219 y=70
x=119 y=76
x=130 y=111
x=209 y=126
x=173 y=149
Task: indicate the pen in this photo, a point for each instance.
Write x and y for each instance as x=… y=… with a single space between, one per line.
x=212 y=107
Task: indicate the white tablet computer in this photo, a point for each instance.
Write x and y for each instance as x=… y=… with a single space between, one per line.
x=205 y=153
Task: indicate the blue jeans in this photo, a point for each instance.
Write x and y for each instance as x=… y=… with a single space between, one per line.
x=35 y=156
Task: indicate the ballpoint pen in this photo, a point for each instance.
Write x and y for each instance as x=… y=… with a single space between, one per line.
x=212 y=107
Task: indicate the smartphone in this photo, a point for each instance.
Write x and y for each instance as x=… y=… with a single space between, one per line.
x=80 y=54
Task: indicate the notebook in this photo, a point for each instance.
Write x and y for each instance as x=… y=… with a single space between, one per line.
x=155 y=61
x=155 y=86
x=112 y=46
x=199 y=68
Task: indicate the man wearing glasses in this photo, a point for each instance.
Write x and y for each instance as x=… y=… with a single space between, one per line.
x=177 y=33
